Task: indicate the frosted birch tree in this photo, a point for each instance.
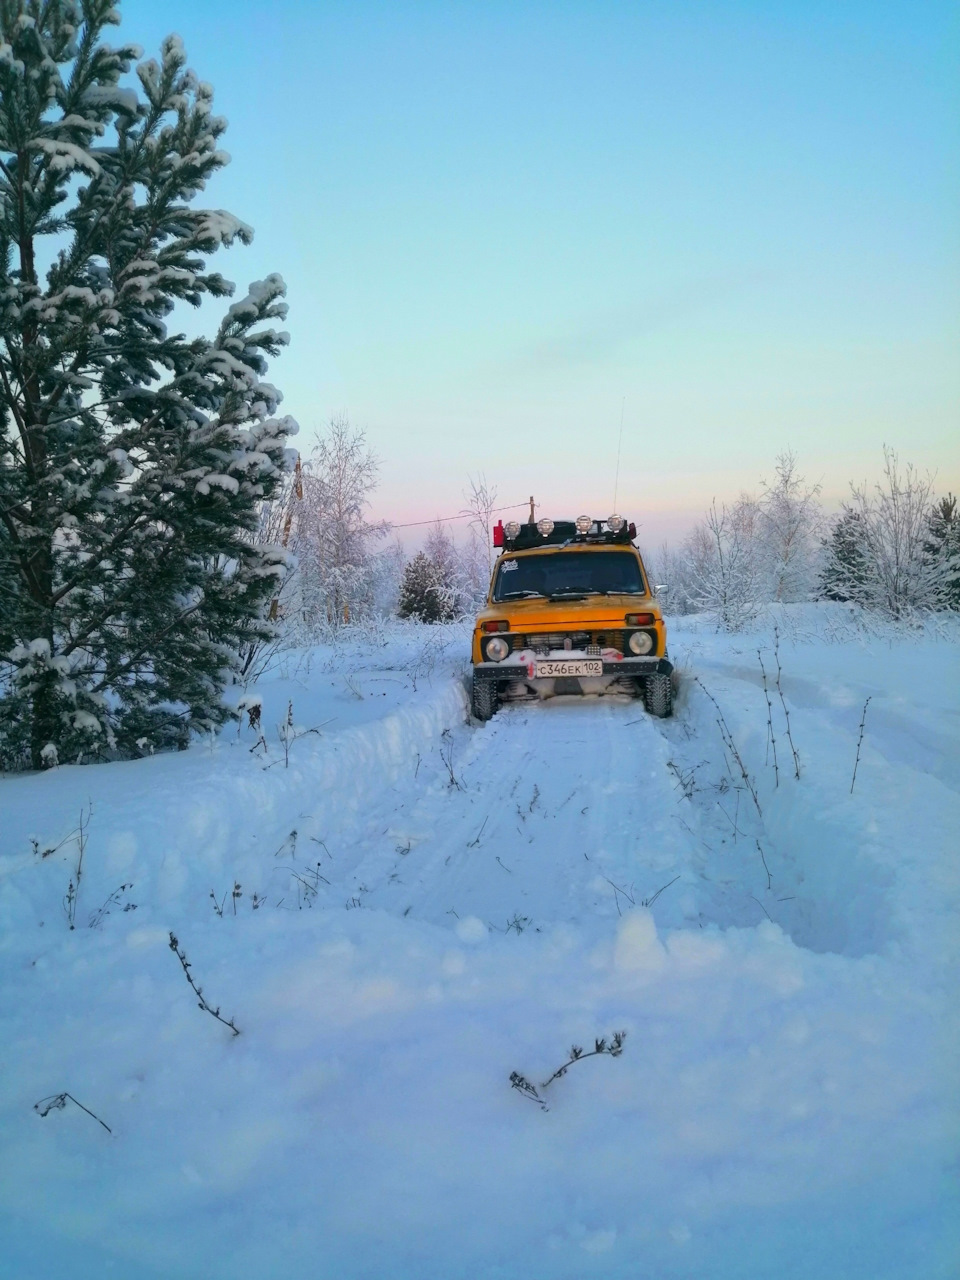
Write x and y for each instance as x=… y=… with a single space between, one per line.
x=335 y=537
x=893 y=518
x=725 y=563
x=789 y=525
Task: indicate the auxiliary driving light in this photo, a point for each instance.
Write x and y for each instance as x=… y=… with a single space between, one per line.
x=615 y=523
x=496 y=649
x=511 y=530
x=584 y=524
x=640 y=642
x=545 y=527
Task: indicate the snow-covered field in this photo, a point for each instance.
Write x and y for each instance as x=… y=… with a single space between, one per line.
x=424 y=905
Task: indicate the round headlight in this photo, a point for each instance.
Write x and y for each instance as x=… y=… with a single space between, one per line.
x=641 y=642
x=511 y=530
x=584 y=524
x=615 y=523
x=496 y=649
x=545 y=527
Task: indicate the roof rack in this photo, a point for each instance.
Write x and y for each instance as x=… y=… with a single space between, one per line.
x=565 y=532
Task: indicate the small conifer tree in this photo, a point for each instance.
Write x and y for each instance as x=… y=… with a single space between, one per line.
x=420 y=594
x=846 y=568
x=942 y=549
x=132 y=458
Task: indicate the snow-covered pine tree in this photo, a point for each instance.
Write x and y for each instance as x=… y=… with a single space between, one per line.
x=420 y=596
x=846 y=569
x=441 y=551
x=942 y=547
x=132 y=459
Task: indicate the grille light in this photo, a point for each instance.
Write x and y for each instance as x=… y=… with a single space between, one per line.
x=615 y=523
x=640 y=642
x=496 y=649
x=545 y=527
x=584 y=524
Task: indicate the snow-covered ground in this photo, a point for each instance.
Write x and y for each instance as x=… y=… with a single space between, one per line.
x=424 y=905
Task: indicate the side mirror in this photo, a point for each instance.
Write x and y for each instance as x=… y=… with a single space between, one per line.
x=661 y=586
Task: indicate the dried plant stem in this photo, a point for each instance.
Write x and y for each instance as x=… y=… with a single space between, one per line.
x=786 y=713
x=73 y=889
x=198 y=991
x=446 y=755
x=764 y=861
x=763 y=909
x=731 y=746
x=616 y=894
x=771 y=736
x=613 y=1048
x=472 y=844
x=648 y=902
x=57 y=1102
x=856 y=763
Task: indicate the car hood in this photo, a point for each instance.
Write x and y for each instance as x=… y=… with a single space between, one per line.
x=604 y=611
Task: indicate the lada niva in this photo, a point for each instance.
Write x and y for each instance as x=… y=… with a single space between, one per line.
x=569 y=610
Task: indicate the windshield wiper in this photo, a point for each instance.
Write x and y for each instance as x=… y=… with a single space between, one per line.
x=572 y=593
x=521 y=595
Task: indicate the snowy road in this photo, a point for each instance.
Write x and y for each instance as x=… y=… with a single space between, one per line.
x=526 y=819
x=412 y=906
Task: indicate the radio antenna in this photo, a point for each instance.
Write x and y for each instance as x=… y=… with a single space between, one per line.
x=616 y=483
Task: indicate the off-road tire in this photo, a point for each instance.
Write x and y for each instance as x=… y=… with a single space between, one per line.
x=485 y=698
x=658 y=695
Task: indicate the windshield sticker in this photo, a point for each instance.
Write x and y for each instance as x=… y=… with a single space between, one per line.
x=508 y=565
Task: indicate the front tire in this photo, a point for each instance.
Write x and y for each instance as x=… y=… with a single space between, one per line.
x=658 y=696
x=485 y=698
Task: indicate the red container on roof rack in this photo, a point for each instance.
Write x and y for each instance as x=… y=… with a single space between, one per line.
x=498 y=534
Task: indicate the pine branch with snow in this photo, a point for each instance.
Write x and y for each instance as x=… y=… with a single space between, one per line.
x=132 y=460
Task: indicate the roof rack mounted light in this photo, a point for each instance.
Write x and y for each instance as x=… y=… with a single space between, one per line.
x=548 y=533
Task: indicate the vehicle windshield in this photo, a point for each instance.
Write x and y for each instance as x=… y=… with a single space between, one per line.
x=569 y=575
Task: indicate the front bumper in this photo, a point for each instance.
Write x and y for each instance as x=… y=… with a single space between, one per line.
x=635 y=668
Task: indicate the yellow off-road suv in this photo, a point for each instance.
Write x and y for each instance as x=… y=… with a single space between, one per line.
x=569 y=611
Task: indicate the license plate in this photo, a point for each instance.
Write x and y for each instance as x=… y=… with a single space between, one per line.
x=571 y=667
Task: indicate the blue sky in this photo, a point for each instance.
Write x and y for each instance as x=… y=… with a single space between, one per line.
x=501 y=223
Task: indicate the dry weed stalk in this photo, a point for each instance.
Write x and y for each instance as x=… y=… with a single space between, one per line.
x=198 y=991
x=613 y=1048
x=731 y=746
x=786 y=713
x=856 y=763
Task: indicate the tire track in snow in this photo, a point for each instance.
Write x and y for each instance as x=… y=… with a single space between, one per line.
x=553 y=802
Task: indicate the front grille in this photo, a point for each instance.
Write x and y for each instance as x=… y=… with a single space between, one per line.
x=592 y=642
